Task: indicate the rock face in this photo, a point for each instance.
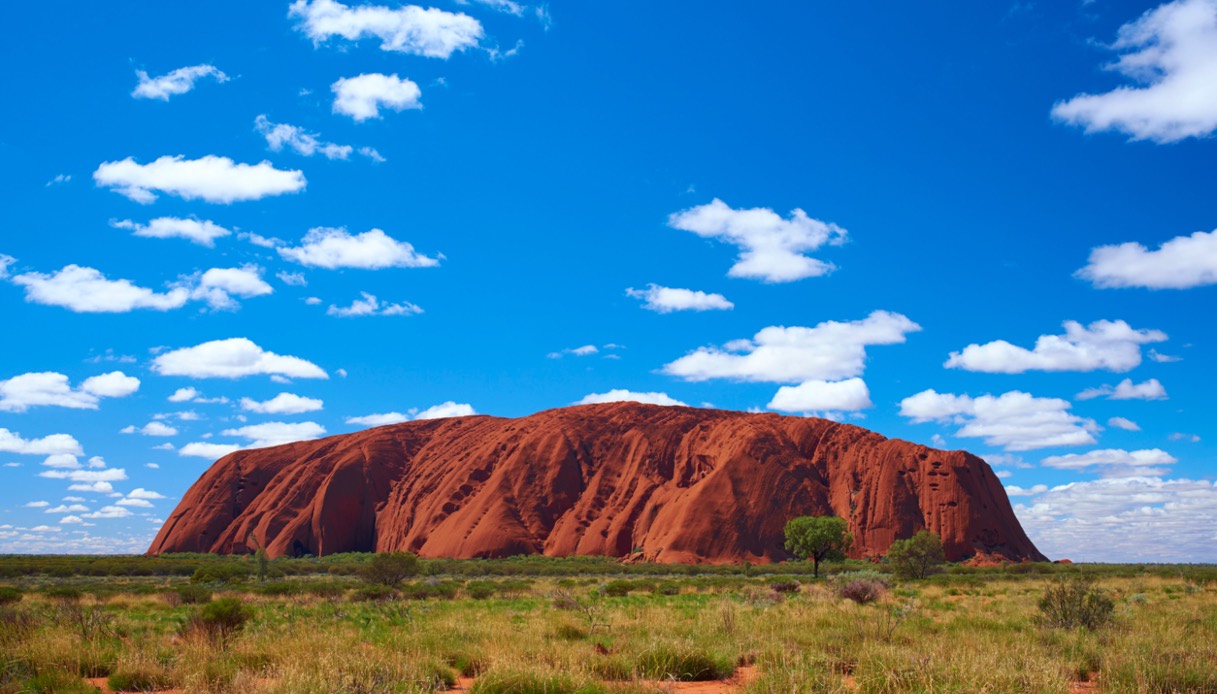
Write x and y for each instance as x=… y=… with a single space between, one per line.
x=678 y=484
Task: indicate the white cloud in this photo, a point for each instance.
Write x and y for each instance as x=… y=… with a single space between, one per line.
x=620 y=395
x=210 y=178
x=1114 y=462
x=211 y=451
x=1125 y=519
x=1110 y=345
x=370 y=306
x=1163 y=358
x=582 y=351
x=177 y=82
x=1170 y=54
x=95 y=487
x=446 y=409
x=86 y=290
x=1123 y=423
x=283 y=403
x=109 y=512
x=11 y=442
x=293 y=279
x=408 y=29
x=71 y=520
x=440 y=411
x=830 y=351
x=1180 y=263
x=1176 y=436
x=372 y=154
x=507 y=6
x=372 y=250
x=1127 y=390
x=38 y=504
x=19 y=393
x=280 y=135
x=184 y=395
x=59 y=178
x=217 y=286
x=822 y=396
x=141 y=493
x=232 y=358
x=379 y=420
x=44 y=529
x=668 y=299
x=114 y=474
x=1015 y=420
x=133 y=503
x=201 y=231
x=1015 y=490
x=5 y=261
x=771 y=248
x=362 y=97
x=158 y=429
x=62 y=461
x=275 y=433
x=64 y=508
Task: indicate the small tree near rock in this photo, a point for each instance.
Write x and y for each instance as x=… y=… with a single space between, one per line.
x=390 y=568
x=917 y=556
x=817 y=539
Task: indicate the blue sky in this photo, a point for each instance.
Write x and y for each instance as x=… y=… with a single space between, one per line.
x=985 y=226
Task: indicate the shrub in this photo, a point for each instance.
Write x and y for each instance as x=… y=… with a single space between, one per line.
x=617 y=589
x=15 y=625
x=916 y=557
x=785 y=586
x=389 y=568
x=523 y=682
x=684 y=665
x=63 y=593
x=138 y=681
x=56 y=682
x=9 y=595
x=480 y=590
x=1075 y=602
x=374 y=592
x=227 y=572
x=191 y=594
x=818 y=538
x=221 y=620
x=861 y=591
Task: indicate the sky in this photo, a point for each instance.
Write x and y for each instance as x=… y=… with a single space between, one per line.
x=972 y=225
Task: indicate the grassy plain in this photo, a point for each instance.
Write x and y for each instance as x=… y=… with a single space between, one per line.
x=589 y=625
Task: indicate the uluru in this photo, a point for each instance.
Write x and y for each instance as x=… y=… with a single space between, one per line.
x=665 y=484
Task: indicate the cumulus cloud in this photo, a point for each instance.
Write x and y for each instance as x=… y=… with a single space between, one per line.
x=141 y=493
x=51 y=389
x=822 y=396
x=64 y=508
x=86 y=290
x=407 y=29
x=275 y=433
x=369 y=305
x=184 y=395
x=1127 y=390
x=1109 y=345
x=5 y=261
x=283 y=403
x=232 y=358
x=441 y=411
x=200 y=231
x=829 y=351
x=337 y=248
x=11 y=442
x=218 y=286
x=210 y=178
x=445 y=410
x=581 y=351
x=1123 y=423
x=1125 y=519
x=299 y=140
x=362 y=97
x=1170 y=55
x=620 y=395
x=63 y=461
x=109 y=512
x=1114 y=462
x=1016 y=421
x=1180 y=263
x=177 y=82
x=668 y=299
x=158 y=429
x=113 y=474
x=771 y=248
x=211 y=451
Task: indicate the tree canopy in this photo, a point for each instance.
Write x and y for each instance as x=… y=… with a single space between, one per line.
x=818 y=538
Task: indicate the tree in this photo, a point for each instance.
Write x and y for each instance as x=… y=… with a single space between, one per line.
x=916 y=557
x=390 y=568
x=818 y=538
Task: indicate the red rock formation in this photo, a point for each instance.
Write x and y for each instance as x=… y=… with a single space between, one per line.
x=680 y=484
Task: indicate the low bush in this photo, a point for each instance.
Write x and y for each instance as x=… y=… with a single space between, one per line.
x=480 y=590
x=221 y=619
x=56 y=682
x=861 y=591
x=1073 y=602
x=785 y=586
x=192 y=594
x=138 y=680
x=666 y=662
x=9 y=595
x=221 y=573
x=617 y=589
x=389 y=568
x=374 y=593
